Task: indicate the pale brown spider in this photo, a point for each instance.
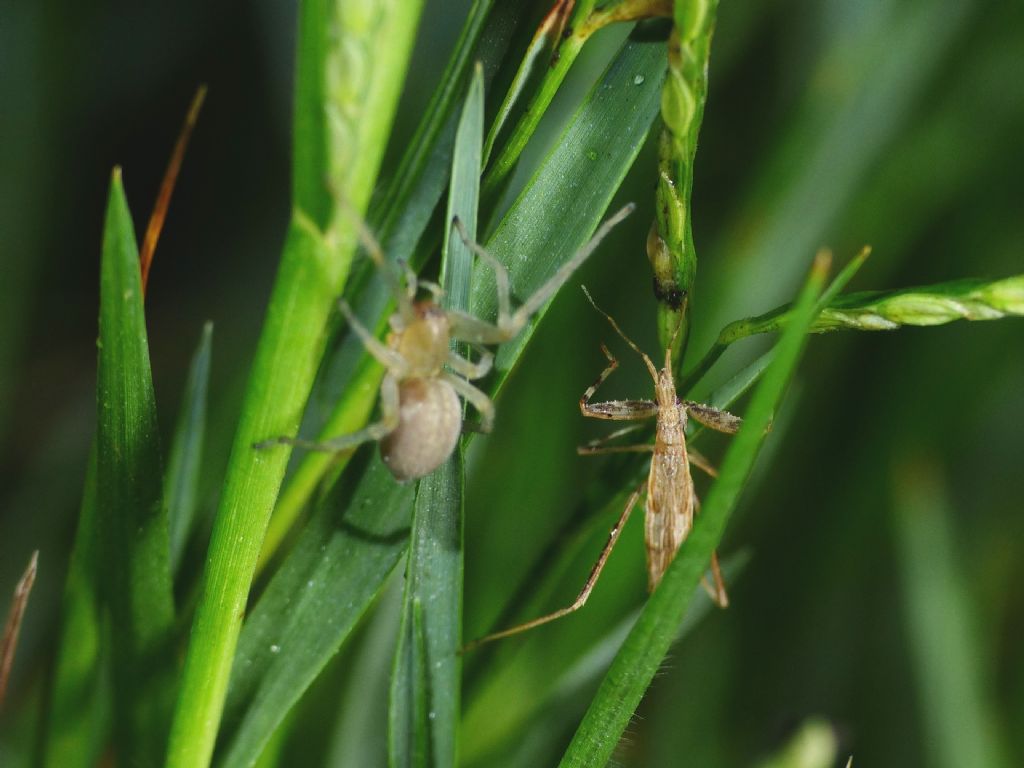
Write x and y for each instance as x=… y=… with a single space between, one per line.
x=421 y=416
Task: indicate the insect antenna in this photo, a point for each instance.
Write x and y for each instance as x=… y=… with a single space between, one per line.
x=618 y=330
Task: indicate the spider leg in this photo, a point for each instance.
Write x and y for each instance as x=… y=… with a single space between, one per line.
x=388 y=422
x=501 y=279
x=476 y=398
x=557 y=280
x=466 y=327
x=388 y=357
x=467 y=368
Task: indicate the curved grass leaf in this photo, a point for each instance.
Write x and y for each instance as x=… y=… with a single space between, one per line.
x=351 y=62
x=185 y=459
x=131 y=519
x=641 y=654
x=424 y=709
x=885 y=311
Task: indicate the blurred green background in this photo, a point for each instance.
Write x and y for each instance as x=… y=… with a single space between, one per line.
x=884 y=531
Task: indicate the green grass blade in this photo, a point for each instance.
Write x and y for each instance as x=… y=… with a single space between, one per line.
x=359 y=734
x=132 y=520
x=565 y=199
x=427 y=664
x=638 y=660
x=888 y=310
x=185 y=459
x=352 y=58
x=313 y=602
x=564 y=51
x=958 y=718
x=79 y=719
x=430 y=144
x=735 y=331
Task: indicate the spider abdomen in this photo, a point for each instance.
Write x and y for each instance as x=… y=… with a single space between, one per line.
x=429 y=424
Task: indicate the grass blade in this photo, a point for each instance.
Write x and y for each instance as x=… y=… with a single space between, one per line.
x=132 y=521
x=80 y=714
x=313 y=602
x=424 y=710
x=9 y=639
x=565 y=199
x=959 y=724
x=351 y=62
x=183 y=464
x=888 y=310
x=642 y=653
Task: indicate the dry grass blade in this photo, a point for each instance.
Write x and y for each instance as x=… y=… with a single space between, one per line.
x=163 y=199
x=9 y=642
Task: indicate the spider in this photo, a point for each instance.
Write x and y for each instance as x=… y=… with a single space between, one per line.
x=421 y=416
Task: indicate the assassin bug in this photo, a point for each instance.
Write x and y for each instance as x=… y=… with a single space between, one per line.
x=670 y=498
x=421 y=417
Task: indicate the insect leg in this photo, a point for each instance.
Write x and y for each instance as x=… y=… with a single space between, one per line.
x=478 y=399
x=723 y=421
x=717 y=593
x=588 y=587
x=372 y=432
x=619 y=410
x=698 y=460
x=599 y=445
